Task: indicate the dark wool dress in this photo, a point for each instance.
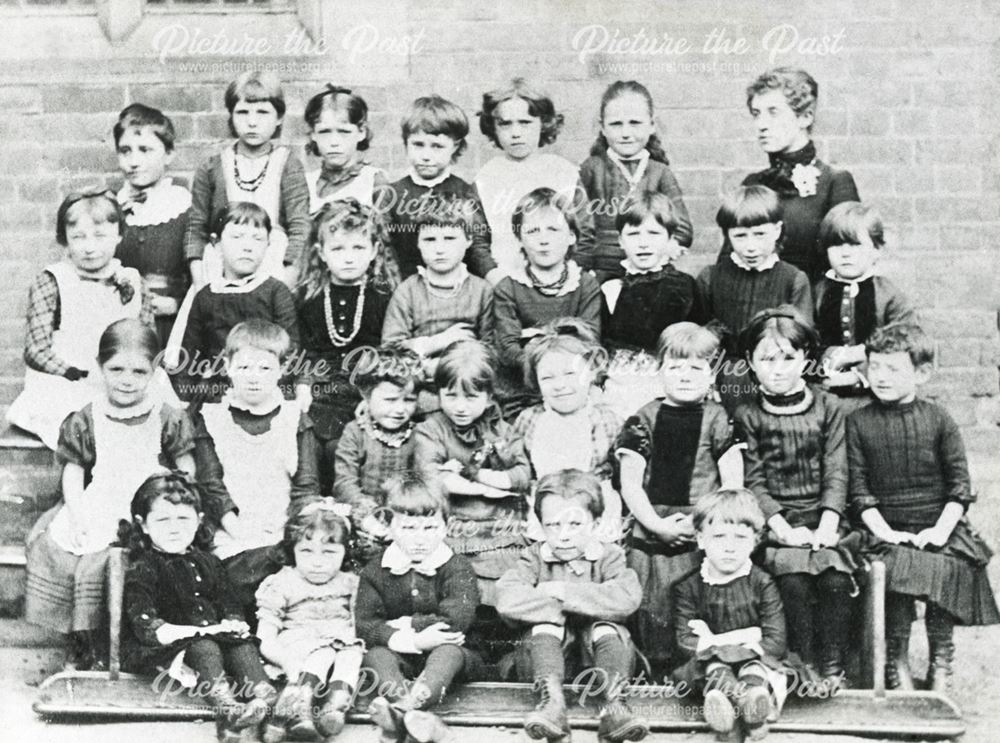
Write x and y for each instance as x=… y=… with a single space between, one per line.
x=191 y=588
x=749 y=601
x=908 y=461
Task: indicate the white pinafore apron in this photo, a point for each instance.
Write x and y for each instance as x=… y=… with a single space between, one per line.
x=257 y=472
x=124 y=457
x=268 y=197
x=86 y=308
x=361 y=188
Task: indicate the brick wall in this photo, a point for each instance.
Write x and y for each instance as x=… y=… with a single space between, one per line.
x=908 y=102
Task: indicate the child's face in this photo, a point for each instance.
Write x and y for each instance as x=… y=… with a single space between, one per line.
x=779 y=128
x=255 y=122
x=417 y=536
x=254 y=374
x=337 y=139
x=127 y=375
x=430 y=154
x=894 y=378
x=648 y=244
x=242 y=247
x=564 y=379
x=568 y=526
x=727 y=546
x=442 y=247
x=755 y=244
x=142 y=157
x=317 y=559
x=91 y=245
x=546 y=237
x=853 y=260
x=347 y=255
x=171 y=526
x=627 y=124
x=463 y=408
x=778 y=367
x=685 y=381
x=390 y=406
x=518 y=132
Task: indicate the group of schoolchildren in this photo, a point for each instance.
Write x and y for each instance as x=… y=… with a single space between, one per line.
x=423 y=412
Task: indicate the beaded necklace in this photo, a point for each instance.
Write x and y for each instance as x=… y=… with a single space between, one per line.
x=553 y=289
x=336 y=338
x=250 y=184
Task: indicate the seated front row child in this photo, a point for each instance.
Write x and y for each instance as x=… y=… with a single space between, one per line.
x=305 y=616
x=650 y=296
x=415 y=604
x=108 y=449
x=570 y=428
x=178 y=605
x=669 y=454
x=443 y=302
x=728 y=618
x=752 y=278
x=573 y=590
x=243 y=292
x=851 y=301
x=377 y=444
x=70 y=303
x=909 y=484
x=480 y=460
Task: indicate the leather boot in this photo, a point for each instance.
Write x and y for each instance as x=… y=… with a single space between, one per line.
x=227 y=711
x=897 y=663
x=300 y=720
x=389 y=719
x=832 y=667
x=940 y=637
x=258 y=708
x=618 y=722
x=426 y=727
x=548 y=719
x=332 y=716
x=276 y=728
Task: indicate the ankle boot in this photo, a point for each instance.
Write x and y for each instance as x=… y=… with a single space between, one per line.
x=259 y=708
x=332 y=716
x=548 y=719
x=897 y=663
x=618 y=722
x=426 y=727
x=227 y=711
x=832 y=667
x=276 y=728
x=389 y=719
x=942 y=651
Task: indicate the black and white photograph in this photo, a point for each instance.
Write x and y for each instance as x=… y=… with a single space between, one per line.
x=425 y=371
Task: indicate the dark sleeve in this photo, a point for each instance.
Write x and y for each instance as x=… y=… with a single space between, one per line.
x=458 y=599
x=507 y=325
x=370 y=614
x=520 y=599
x=704 y=283
x=226 y=598
x=140 y=601
x=802 y=295
x=284 y=312
x=833 y=495
x=516 y=463
x=177 y=437
x=754 y=477
x=484 y=318
x=861 y=496
x=842 y=188
x=294 y=208
x=586 y=240
x=191 y=346
x=398 y=323
x=347 y=466
x=954 y=466
x=209 y=472
x=685 y=610
x=772 y=618
x=897 y=306
x=76 y=439
x=715 y=439
x=200 y=215
x=683 y=232
x=590 y=302
x=698 y=313
x=614 y=599
x=479 y=256
x=305 y=482
x=635 y=436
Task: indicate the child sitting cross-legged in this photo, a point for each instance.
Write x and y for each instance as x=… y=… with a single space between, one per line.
x=573 y=590
x=414 y=606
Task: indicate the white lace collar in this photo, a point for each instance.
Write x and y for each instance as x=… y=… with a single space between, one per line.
x=768 y=263
x=399 y=563
x=633 y=271
x=164 y=201
x=275 y=400
x=445 y=175
x=101 y=406
x=721 y=580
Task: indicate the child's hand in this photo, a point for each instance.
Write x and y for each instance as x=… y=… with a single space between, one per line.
x=840 y=379
x=699 y=628
x=823 y=538
x=935 y=536
x=167 y=634
x=554 y=589
x=798 y=536
x=163 y=306
x=893 y=536
x=436 y=635
x=235 y=626
x=304 y=397
x=452 y=465
x=674 y=529
x=460 y=331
